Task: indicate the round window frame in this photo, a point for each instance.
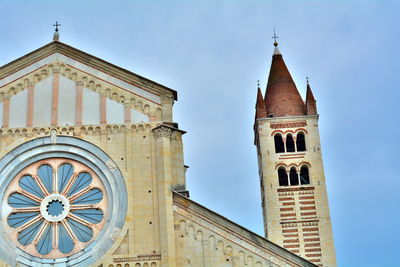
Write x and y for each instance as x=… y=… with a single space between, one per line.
x=87 y=154
x=55 y=163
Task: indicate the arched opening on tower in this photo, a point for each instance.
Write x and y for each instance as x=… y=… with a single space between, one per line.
x=289 y=143
x=304 y=175
x=301 y=142
x=279 y=145
x=283 y=177
x=294 y=177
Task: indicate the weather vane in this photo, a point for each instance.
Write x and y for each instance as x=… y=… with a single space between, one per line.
x=275 y=37
x=56 y=25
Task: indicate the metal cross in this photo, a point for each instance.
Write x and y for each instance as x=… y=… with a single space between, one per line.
x=275 y=36
x=56 y=25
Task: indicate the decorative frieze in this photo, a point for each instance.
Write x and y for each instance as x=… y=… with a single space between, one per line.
x=150 y=257
x=293 y=124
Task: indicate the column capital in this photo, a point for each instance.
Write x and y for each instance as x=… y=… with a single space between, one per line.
x=162 y=131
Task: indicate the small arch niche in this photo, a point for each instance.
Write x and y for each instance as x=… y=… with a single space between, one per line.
x=290 y=143
x=279 y=145
x=301 y=142
x=283 y=177
x=304 y=175
x=293 y=176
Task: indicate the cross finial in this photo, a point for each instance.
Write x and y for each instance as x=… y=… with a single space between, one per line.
x=56 y=25
x=56 y=36
x=275 y=37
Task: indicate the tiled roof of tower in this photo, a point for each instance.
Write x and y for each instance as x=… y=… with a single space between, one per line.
x=282 y=97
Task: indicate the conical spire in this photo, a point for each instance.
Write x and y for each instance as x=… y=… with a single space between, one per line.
x=260 y=105
x=311 y=103
x=282 y=97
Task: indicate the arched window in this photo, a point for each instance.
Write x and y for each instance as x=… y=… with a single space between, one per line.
x=294 y=177
x=289 y=143
x=279 y=146
x=304 y=175
x=283 y=177
x=301 y=142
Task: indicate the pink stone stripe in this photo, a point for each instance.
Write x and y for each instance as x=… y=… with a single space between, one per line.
x=6 y=113
x=103 y=109
x=54 y=106
x=29 y=119
x=127 y=114
x=79 y=90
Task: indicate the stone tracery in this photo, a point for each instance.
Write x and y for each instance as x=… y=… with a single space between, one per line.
x=58 y=207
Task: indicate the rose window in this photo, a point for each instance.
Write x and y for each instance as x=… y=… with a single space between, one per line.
x=57 y=207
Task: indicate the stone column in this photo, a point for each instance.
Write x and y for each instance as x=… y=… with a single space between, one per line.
x=162 y=136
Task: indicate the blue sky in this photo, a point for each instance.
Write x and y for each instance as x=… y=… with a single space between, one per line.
x=213 y=52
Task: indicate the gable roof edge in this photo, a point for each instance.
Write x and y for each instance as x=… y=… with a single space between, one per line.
x=246 y=233
x=68 y=50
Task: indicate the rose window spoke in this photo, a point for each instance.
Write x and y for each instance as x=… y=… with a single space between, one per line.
x=29 y=184
x=55 y=205
x=45 y=173
x=65 y=172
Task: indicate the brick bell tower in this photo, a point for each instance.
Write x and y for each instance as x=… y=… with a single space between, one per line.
x=293 y=189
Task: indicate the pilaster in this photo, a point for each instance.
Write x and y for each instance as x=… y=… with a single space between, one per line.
x=167 y=103
x=162 y=135
x=29 y=119
x=6 y=111
x=79 y=99
x=54 y=105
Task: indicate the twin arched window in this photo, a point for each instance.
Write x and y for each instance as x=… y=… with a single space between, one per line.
x=293 y=177
x=292 y=144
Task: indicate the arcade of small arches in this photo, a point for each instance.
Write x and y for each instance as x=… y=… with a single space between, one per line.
x=293 y=176
x=290 y=142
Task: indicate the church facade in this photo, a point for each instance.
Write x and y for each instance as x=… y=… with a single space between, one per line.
x=92 y=174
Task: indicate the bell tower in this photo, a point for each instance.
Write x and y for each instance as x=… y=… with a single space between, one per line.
x=293 y=189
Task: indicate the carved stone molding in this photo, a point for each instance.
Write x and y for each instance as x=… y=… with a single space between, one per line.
x=162 y=131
